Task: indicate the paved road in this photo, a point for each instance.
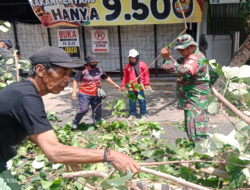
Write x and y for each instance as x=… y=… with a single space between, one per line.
x=161 y=108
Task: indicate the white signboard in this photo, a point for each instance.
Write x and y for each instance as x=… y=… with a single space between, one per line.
x=100 y=41
x=68 y=39
x=226 y=1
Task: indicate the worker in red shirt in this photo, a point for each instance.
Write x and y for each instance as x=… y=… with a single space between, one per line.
x=132 y=70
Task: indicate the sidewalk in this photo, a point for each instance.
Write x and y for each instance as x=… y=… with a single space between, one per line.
x=161 y=108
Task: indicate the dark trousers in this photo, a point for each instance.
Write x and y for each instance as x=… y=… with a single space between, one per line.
x=142 y=103
x=84 y=102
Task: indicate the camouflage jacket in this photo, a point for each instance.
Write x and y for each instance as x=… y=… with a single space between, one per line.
x=7 y=67
x=192 y=83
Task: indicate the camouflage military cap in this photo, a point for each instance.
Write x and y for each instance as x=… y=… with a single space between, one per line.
x=184 y=41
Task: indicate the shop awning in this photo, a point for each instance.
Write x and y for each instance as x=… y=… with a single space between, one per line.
x=17 y=10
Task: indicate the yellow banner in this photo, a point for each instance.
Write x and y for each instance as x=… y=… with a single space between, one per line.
x=115 y=12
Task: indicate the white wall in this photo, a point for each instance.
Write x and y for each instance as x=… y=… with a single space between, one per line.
x=219 y=48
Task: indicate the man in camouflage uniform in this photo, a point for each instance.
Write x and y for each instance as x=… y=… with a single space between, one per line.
x=192 y=85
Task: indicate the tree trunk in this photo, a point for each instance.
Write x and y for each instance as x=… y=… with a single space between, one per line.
x=242 y=55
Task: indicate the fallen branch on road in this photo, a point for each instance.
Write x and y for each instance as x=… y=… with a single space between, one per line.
x=174 y=179
x=178 y=162
x=209 y=170
x=85 y=174
x=230 y=106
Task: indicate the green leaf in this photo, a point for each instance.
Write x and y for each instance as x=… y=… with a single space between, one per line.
x=237 y=179
x=215 y=67
x=2 y=85
x=235 y=160
x=42 y=175
x=3 y=185
x=168 y=45
x=120 y=104
x=78 y=185
x=36 y=178
x=131 y=96
x=140 y=97
x=187 y=174
x=246 y=80
x=118 y=181
x=137 y=87
x=167 y=169
x=206 y=147
x=143 y=145
x=46 y=184
x=182 y=153
x=56 y=184
x=41 y=157
x=4 y=26
x=9 y=61
x=134 y=149
x=148 y=153
x=171 y=147
x=128 y=85
x=213 y=104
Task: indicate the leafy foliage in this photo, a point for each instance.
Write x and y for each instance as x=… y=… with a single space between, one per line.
x=243 y=12
x=8 y=67
x=236 y=86
x=3 y=185
x=142 y=141
x=4 y=26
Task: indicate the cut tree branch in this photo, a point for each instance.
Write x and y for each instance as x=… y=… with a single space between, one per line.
x=17 y=67
x=85 y=174
x=174 y=179
x=108 y=175
x=178 y=162
x=236 y=128
x=230 y=106
x=209 y=170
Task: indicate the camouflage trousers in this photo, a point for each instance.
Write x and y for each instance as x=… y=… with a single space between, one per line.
x=196 y=124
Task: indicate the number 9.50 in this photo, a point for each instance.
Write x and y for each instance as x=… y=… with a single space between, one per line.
x=141 y=10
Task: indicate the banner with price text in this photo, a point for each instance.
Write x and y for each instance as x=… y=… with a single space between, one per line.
x=115 y=12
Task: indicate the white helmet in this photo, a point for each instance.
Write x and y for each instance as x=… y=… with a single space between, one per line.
x=133 y=53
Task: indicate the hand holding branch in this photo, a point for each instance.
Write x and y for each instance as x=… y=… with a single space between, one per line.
x=123 y=162
x=165 y=53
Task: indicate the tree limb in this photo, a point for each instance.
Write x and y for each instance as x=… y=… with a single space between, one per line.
x=108 y=175
x=226 y=103
x=236 y=128
x=178 y=162
x=17 y=68
x=209 y=170
x=174 y=179
x=190 y=161
x=85 y=174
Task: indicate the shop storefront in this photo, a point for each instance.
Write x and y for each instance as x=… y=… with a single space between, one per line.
x=108 y=28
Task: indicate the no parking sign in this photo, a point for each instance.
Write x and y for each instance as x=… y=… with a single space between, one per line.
x=100 y=41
